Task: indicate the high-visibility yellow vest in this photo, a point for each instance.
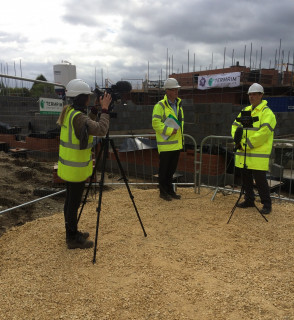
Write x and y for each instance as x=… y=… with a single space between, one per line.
x=259 y=138
x=160 y=112
x=74 y=164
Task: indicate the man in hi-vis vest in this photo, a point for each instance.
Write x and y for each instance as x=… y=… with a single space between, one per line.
x=75 y=163
x=259 y=144
x=168 y=123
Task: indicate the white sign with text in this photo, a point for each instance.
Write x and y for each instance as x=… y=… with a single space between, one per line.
x=219 y=80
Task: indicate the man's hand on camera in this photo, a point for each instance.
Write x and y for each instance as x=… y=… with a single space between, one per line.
x=238 y=135
x=238 y=147
x=105 y=101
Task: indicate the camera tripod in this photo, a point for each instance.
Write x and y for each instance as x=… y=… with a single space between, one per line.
x=242 y=188
x=104 y=151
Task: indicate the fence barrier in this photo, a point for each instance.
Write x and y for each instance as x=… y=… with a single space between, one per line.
x=140 y=161
x=218 y=171
x=209 y=165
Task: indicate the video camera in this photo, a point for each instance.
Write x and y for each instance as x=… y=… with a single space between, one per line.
x=116 y=91
x=247 y=122
x=246 y=119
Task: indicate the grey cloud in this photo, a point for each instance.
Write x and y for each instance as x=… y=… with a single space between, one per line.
x=213 y=21
x=12 y=37
x=80 y=19
x=150 y=27
x=186 y=23
x=88 y=12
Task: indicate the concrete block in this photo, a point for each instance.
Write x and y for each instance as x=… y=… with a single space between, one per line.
x=202 y=108
x=220 y=108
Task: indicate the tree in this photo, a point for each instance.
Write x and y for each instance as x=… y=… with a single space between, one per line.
x=9 y=91
x=42 y=89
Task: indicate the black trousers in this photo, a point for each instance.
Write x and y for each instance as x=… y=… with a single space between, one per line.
x=74 y=193
x=261 y=184
x=168 y=161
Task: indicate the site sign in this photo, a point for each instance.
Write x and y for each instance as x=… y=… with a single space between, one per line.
x=50 y=106
x=220 y=80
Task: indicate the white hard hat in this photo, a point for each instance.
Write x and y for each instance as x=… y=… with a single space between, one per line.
x=171 y=83
x=255 y=87
x=76 y=87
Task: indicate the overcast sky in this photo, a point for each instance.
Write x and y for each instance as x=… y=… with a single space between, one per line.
x=120 y=37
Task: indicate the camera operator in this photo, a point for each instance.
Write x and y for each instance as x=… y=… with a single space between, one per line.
x=75 y=163
x=258 y=148
x=169 y=139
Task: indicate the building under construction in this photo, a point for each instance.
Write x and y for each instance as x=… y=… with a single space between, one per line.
x=209 y=110
x=276 y=83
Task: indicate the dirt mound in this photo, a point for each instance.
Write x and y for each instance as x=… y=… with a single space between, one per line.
x=20 y=180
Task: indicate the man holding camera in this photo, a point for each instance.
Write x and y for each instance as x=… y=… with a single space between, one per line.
x=168 y=123
x=258 y=147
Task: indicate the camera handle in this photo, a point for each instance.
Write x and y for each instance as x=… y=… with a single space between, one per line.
x=242 y=187
x=104 y=151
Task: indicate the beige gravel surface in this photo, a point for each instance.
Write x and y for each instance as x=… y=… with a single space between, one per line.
x=191 y=265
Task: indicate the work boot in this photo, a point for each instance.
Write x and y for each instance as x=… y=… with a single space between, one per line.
x=85 y=235
x=175 y=196
x=78 y=242
x=165 y=196
x=246 y=204
x=266 y=210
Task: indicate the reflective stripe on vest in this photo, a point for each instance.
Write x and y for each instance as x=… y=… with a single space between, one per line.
x=74 y=146
x=74 y=164
x=253 y=155
x=164 y=116
x=164 y=143
x=174 y=142
x=267 y=125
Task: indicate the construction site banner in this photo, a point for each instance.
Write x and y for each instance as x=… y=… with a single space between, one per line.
x=50 y=106
x=219 y=80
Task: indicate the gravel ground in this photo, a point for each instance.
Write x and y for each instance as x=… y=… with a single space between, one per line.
x=192 y=264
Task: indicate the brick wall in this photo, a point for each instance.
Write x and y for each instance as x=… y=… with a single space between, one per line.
x=201 y=120
x=46 y=145
x=211 y=164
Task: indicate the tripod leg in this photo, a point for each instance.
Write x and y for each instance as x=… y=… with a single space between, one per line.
x=235 y=206
x=91 y=180
x=261 y=213
x=127 y=185
x=104 y=149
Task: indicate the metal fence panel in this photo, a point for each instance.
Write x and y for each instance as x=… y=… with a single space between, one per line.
x=217 y=168
x=139 y=158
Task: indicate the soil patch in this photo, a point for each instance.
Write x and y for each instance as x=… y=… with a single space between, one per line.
x=20 y=181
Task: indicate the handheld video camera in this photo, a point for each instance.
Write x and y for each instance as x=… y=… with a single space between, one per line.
x=115 y=95
x=116 y=91
x=246 y=119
